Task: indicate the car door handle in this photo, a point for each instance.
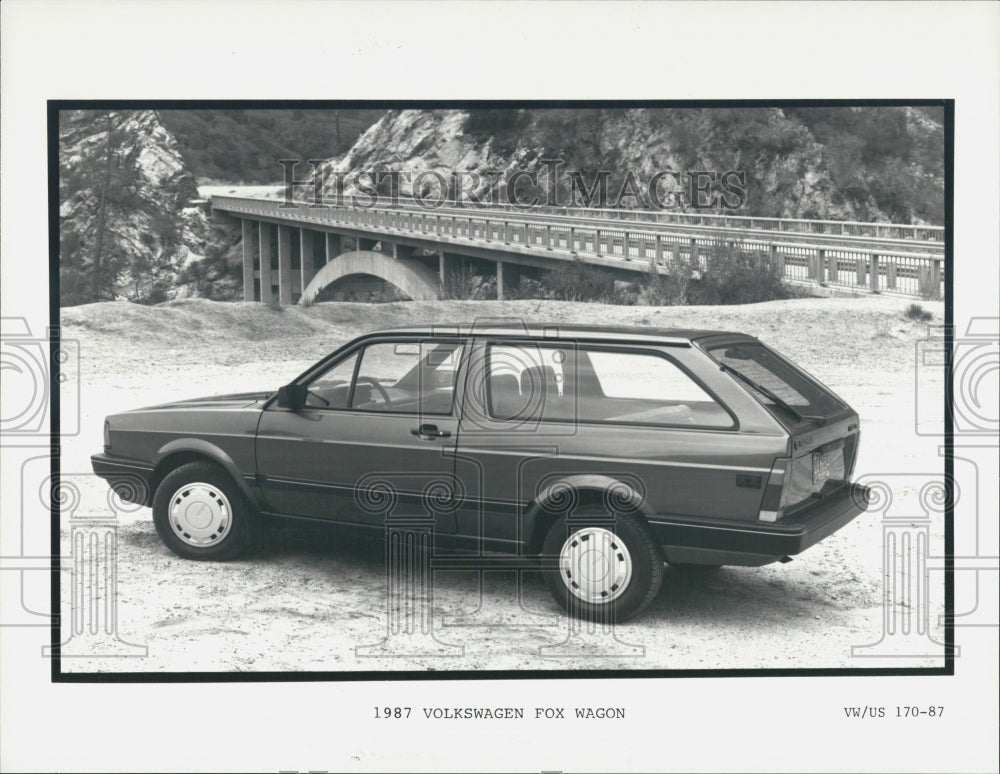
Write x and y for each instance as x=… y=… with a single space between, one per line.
x=429 y=432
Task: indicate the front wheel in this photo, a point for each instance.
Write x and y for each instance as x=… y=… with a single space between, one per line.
x=200 y=514
x=609 y=569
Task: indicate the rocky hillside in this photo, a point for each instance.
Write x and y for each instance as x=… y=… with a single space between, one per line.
x=244 y=146
x=130 y=224
x=866 y=164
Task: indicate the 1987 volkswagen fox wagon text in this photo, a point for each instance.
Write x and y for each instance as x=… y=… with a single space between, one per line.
x=601 y=452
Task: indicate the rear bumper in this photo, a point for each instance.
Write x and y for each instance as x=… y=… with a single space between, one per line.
x=129 y=478
x=783 y=538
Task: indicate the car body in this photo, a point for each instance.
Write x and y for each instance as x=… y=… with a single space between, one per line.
x=600 y=451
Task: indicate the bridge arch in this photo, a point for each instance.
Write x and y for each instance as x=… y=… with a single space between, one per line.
x=407 y=274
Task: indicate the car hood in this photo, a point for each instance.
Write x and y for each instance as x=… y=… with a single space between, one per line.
x=235 y=400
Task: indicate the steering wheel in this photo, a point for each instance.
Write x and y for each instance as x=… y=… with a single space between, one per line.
x=317 y=396
x=375 y=383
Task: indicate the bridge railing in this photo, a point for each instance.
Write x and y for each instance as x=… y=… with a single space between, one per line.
x=904 y=273
x=875 y=230
x=885 y=236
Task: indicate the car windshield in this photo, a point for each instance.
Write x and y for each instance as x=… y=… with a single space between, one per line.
x=771 y=373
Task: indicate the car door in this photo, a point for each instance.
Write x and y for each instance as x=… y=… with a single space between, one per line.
x=543 y=412
x=376 y=437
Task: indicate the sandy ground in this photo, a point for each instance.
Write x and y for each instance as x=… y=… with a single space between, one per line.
x=314 y=598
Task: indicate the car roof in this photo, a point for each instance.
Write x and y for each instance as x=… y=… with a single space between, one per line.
x=560 y=331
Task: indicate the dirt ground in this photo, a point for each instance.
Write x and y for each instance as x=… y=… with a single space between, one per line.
x=314 y=598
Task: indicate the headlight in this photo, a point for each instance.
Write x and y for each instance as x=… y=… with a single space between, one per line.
x=107 y=435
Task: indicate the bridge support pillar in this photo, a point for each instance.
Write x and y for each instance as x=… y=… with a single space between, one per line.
x=307 y=256
x=264 y=232
x=442 y=268
x=248 y=262
x=513 y=276
x=400 y=252
x=284 y=265
x=334 y=246
x=499 y=280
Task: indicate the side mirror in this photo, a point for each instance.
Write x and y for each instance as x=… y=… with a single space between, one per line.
x=292 y=396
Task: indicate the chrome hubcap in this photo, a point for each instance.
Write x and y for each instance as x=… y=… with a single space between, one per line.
x=595 y=565
x=200 y=514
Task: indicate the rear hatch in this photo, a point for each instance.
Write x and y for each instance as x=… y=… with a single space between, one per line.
x=822 y=460
x=824 y=429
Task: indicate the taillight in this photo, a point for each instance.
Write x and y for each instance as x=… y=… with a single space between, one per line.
x=772 y=505
x=851 y=454
x=107 y=435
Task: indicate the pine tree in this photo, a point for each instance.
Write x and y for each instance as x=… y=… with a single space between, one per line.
x=93 y=250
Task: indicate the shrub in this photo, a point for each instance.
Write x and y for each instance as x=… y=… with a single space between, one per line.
x=669 y=289
x=157 y=293
x=502 y=126
x=460 y=282
x=917 y=313
x=579 y=281
x=735 y=275
x=729 y=275
x=529 y=286
x=148 y=292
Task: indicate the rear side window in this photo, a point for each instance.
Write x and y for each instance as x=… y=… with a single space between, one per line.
x=769 y=370
x=588 y=384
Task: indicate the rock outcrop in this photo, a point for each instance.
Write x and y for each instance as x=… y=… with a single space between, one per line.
x=863 y=164
x=131 y=224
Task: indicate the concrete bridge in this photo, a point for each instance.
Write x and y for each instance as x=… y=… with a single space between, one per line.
x=291 y=251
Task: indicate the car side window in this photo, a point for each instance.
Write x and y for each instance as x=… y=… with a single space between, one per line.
x=527 y=381
x=333 y=388
x=588 y=384
x=648 y=388
x=407 y=377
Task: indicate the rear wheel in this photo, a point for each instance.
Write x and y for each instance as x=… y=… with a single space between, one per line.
x=200 y=514
x=609 y=566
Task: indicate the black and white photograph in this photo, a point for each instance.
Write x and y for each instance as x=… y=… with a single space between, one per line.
x=506 y=388
x=499 y=412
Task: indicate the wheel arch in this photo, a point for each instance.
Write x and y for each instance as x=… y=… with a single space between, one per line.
x=560 y=496
x=182 y=451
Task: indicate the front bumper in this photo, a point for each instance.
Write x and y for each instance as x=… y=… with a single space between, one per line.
x=130 y=479
x=786 y=537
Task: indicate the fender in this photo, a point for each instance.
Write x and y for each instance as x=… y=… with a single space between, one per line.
x=212 y=452
x=623 y=494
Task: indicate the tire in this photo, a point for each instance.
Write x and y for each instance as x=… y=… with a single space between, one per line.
x=626 y=550
x=199 y=513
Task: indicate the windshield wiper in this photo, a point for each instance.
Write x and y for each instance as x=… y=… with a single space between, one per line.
x=771 y=396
